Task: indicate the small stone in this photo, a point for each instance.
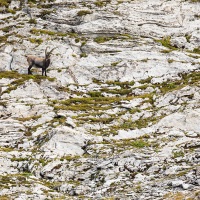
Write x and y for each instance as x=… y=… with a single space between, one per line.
x=177 y=183
x=191 y=134
x=186 y=186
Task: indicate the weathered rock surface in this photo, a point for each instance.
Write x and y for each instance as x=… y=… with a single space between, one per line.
x=118 y=115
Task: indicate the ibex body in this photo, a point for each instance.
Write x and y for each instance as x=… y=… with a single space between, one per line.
x=39 y=62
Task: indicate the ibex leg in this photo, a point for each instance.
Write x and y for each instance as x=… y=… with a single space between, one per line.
x=43 y=70
x=29 y=69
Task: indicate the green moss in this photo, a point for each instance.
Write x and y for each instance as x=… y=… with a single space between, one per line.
x=59 y=119
x=147 y=80
x=132 y=143
x=32 y=1
x=29 y=118
x=36 y=40
x=7 y=149
x=47 y=32
x=32 y=21
x=83 y=55
x=6 y=29
x=43 y=162
x=138 y=124
x=5 y=3
x=194 y=56
x=77 y=40
x=99 y=3
x=45 y=12
x=188 y=37
x=98 y=120
x=139 y=144
x=83 y=12
x=95 y=94
x=167 y=43
x=115 y=63
x=177 y=154
x=170 y=60
x=89 y=103
x=144 y=60
x=20 y=79
x=18 y=159
x=166 y=51
x=124 y=85
x=191 y=78
x=117 y=91
x=196 y=50
x=102 y=39
x=69 y=158
x=10 y=11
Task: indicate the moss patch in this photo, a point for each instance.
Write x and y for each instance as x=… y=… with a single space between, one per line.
x=21 y=79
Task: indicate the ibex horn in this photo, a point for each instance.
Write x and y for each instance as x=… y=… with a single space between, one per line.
x=46 y=51
x=52 y=50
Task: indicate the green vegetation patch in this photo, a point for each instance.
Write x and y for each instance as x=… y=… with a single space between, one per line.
x=89 y=103
x=5 y=3
x=196 y=50
x=32 y=21
x=6 y=29
x=187 y=79
x=13 y=180
x=47 y=32
x=36 y=40
x=102 y=39
x=167 y=43
x=177 y=154
x=83 y=12
x=124 y=85
x=133 y=143
x=3 y=39
x=101 y=3
x=43 y=13
x=29 y=118
x=138 y=124
x=21 y=79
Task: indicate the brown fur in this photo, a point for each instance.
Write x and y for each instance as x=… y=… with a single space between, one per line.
x=39 y=62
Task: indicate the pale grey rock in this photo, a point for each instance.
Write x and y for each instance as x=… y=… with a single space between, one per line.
x=179 y=42
x=14 y=4
x=191 y=134
x=6 y=61
x=176 y=133
x=187 y=121
x=65 y=141
x=69 y=121
x=186 y=186
x=29 y=90
x=11 y=131
x=177 y=183
x=131 y=104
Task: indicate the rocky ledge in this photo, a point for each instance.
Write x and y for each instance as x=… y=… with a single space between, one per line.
x=118 y=115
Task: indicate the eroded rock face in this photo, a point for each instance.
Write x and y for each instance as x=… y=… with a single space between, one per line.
x=65 y=141
x=117 y=116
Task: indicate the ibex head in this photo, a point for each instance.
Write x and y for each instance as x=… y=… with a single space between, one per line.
x=48 y=54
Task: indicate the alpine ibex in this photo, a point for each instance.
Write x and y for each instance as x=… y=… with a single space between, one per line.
x=39 y=62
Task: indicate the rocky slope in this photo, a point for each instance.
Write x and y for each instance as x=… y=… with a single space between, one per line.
x=118 y=115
